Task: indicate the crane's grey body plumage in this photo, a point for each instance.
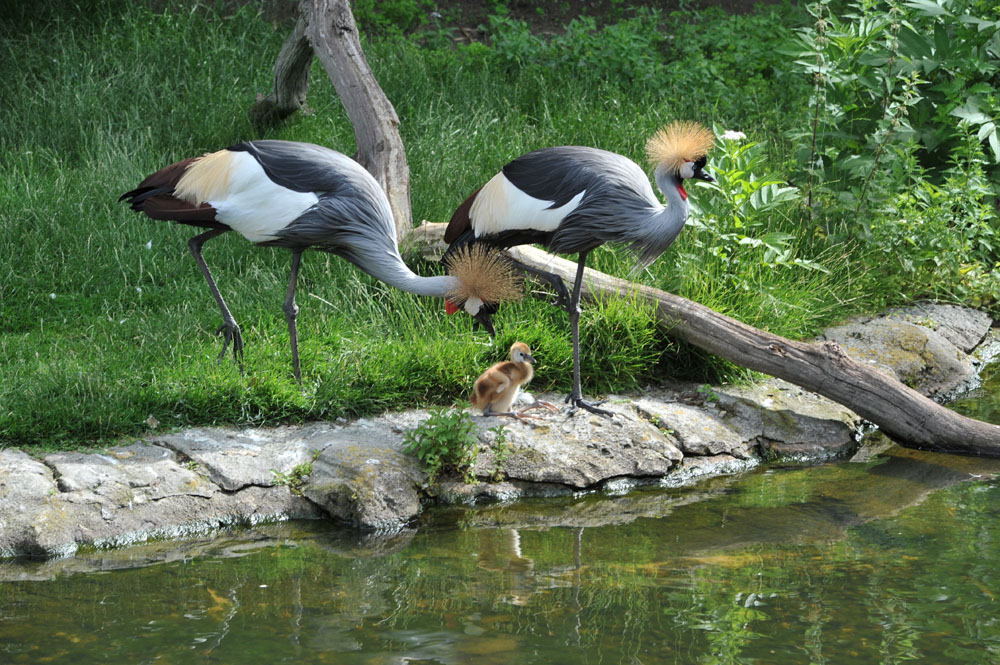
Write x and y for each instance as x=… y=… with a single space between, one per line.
x=352 y=218
x=618 y=203
x=292 y=195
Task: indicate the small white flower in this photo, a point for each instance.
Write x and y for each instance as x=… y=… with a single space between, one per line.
x=52 y=296
x=733 y=135
x=149 y=245
x=138 y=289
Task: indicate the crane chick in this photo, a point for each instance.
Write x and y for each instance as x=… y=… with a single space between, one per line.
x=496 y=389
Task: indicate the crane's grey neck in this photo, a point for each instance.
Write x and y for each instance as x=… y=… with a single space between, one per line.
x=670 y=184
x=395 y=273
x=664 y=224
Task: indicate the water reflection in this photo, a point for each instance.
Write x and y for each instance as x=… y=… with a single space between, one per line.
x=886 y=560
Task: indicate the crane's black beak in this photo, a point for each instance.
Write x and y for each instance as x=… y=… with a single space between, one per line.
x=699 y=170
x=484 y=319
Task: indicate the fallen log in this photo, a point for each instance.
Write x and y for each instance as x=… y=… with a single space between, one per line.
x=906 y=416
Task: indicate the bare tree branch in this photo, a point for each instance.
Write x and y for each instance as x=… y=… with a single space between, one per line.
x=333 y=34
x=291 y=81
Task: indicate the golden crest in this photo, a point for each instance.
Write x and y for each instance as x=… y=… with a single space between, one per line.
x=679 y=142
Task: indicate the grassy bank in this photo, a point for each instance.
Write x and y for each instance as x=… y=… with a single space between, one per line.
x=106 y=324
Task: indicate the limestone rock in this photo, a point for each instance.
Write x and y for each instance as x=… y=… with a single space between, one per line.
x=581 y=451
x=237 y=458
x=917 y=356
x=964 y=327
x=363 y=477
x=32 y=519
x=121 y=496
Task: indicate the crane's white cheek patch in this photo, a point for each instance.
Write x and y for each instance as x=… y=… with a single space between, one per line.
x=472 y=305
x=256 y=206
x=500 y=206
x=687 y=170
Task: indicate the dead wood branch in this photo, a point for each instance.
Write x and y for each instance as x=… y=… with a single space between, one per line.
x=909 y=418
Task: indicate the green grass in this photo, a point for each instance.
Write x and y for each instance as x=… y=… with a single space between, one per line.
x=105 y=320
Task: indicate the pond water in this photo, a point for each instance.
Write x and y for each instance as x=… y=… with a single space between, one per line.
x=890 y=560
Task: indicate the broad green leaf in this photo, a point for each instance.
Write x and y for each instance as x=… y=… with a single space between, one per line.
x=985 y=130
x=914 y=45
x=970 y=111
x=928 y=7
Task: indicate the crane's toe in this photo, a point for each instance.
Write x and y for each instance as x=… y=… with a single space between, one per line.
x=577 y=402
x=231 y=334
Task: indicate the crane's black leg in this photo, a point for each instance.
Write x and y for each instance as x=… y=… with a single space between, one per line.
x=553 y=280
x=229 y=328
x=575 y=398
x=292 y=312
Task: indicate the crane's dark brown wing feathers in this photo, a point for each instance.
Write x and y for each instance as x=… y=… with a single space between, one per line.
x=154 y=197
x=460 y=221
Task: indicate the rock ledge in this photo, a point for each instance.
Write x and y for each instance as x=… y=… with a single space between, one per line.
x=197 y=480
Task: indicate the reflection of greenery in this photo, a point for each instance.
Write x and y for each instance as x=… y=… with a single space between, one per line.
x=701 y=584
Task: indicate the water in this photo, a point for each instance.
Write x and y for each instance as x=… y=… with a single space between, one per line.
x=892 y=560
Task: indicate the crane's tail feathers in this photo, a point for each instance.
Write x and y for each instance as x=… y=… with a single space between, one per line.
x=679 y=142
x=139 y=195
x=160 y=203
x=484 y=273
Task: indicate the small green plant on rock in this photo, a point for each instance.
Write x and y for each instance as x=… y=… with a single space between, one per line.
x=446 y=441
x=296 y=477
x=501 y=451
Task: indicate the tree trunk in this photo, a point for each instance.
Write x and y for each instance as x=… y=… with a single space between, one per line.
x=291 y=81
x=909 y=418
x=330 y=29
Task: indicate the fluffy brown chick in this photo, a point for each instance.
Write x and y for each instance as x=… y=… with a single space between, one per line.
x=496 y=389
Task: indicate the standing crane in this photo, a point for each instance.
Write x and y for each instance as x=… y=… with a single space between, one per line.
x=573 y=199
x=297 y=196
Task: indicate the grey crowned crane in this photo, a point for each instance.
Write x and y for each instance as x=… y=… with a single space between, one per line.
x=572 y=199
x=297 y=196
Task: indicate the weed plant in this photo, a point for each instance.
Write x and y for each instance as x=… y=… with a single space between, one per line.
x=106 y=324
x=445 y=442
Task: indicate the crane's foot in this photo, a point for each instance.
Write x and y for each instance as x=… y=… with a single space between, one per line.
x=577 y=402
x=231 y=335
x=563 y=299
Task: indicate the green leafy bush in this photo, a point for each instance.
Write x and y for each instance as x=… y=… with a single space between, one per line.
x=890 y=73
x=737 y=212
x=630 y=49
x=902 y=143
x=390 y=17
x=446 y=441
